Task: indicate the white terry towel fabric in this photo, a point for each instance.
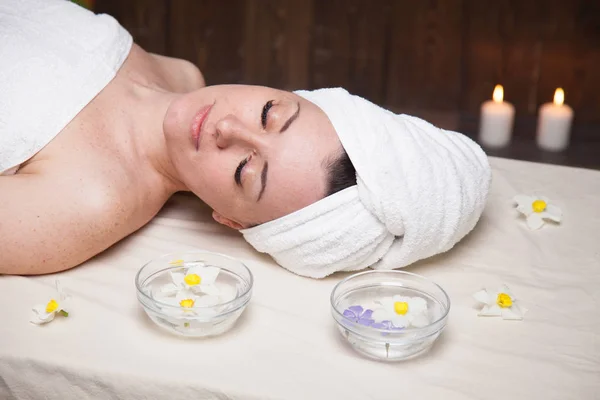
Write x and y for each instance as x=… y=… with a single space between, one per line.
x=55 y=57
x=420 y=189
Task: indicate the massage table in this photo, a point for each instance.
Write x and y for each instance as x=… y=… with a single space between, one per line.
x=286 y=346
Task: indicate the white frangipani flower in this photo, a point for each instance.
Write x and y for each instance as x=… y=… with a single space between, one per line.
x=499 y=303
x=402 y=311
x=192 y=292
x=536 y=209
x=44 y=313
x=186 y=303
x=197 y=278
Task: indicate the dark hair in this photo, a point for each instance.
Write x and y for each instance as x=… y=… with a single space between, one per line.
x=340 y=173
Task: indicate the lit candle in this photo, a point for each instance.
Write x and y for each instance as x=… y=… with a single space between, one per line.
x=497 y=116
x=554 y=123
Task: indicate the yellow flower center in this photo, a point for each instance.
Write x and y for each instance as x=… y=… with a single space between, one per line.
x=187 y=303
x=192 y=279
x=504 y=300
x=401 y=307
x=51 y=306
x=539 y=206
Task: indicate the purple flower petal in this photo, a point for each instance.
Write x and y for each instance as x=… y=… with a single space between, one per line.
x=358 y=310
x=379 y=325
x=366 y=321
x=359 y=315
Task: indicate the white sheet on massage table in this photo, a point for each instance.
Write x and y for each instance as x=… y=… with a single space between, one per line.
x=285 y=346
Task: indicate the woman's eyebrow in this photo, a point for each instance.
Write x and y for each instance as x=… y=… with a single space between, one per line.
x=263 y=174
x=292 y=119
x=263 y=180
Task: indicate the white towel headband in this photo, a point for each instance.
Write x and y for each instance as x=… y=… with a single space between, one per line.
x=420 y=189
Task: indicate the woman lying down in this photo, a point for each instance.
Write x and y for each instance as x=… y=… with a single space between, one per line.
x=96 y=134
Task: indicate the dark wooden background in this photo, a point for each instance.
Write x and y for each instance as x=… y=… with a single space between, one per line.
x=438 y=59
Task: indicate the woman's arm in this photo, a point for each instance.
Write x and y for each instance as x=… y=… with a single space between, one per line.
x=52 y=223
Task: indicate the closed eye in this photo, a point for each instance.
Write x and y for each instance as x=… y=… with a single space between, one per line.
x=237 y=176
x=265 y=112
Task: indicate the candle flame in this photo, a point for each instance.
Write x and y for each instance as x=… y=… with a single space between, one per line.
x=559 y=97
x=498 y=95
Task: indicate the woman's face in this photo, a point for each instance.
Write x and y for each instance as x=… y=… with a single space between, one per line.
x=252 y=153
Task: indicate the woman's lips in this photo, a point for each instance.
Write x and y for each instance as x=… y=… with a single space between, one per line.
x=197 y=124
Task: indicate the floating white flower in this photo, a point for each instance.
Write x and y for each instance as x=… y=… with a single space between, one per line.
x=402 y=311
x=501 y=303
x=44 y=313
x=192 y=291
x=198 y=278
x=187 y=304
x=536 y=209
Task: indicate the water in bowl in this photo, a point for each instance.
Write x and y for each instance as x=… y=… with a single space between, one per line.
x=367 y=297
x=392 y=345
x=212 y=318
x=230 y=285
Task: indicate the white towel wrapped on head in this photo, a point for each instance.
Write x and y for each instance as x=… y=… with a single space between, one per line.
x=420 y=189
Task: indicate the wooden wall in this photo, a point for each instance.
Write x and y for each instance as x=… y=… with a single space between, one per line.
x=438 y=59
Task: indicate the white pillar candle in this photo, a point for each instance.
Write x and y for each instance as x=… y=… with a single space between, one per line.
x=496 y=123
x=554 y=123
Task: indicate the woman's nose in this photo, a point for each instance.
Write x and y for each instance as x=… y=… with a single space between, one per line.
x=231 y=131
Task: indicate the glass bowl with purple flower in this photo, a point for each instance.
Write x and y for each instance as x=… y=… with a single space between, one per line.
x=389 y=315
x=194 y=293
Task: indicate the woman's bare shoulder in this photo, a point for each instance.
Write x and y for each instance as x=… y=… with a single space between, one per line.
x=187 y=76
x=57 y=217
x=54 y=222
x=154 y=70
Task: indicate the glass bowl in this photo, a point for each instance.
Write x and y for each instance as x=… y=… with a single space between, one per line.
x=389 y=315
x=195 y=293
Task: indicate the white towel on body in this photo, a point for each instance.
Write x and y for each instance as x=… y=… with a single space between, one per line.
x=420 y=189
x=55 y=57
